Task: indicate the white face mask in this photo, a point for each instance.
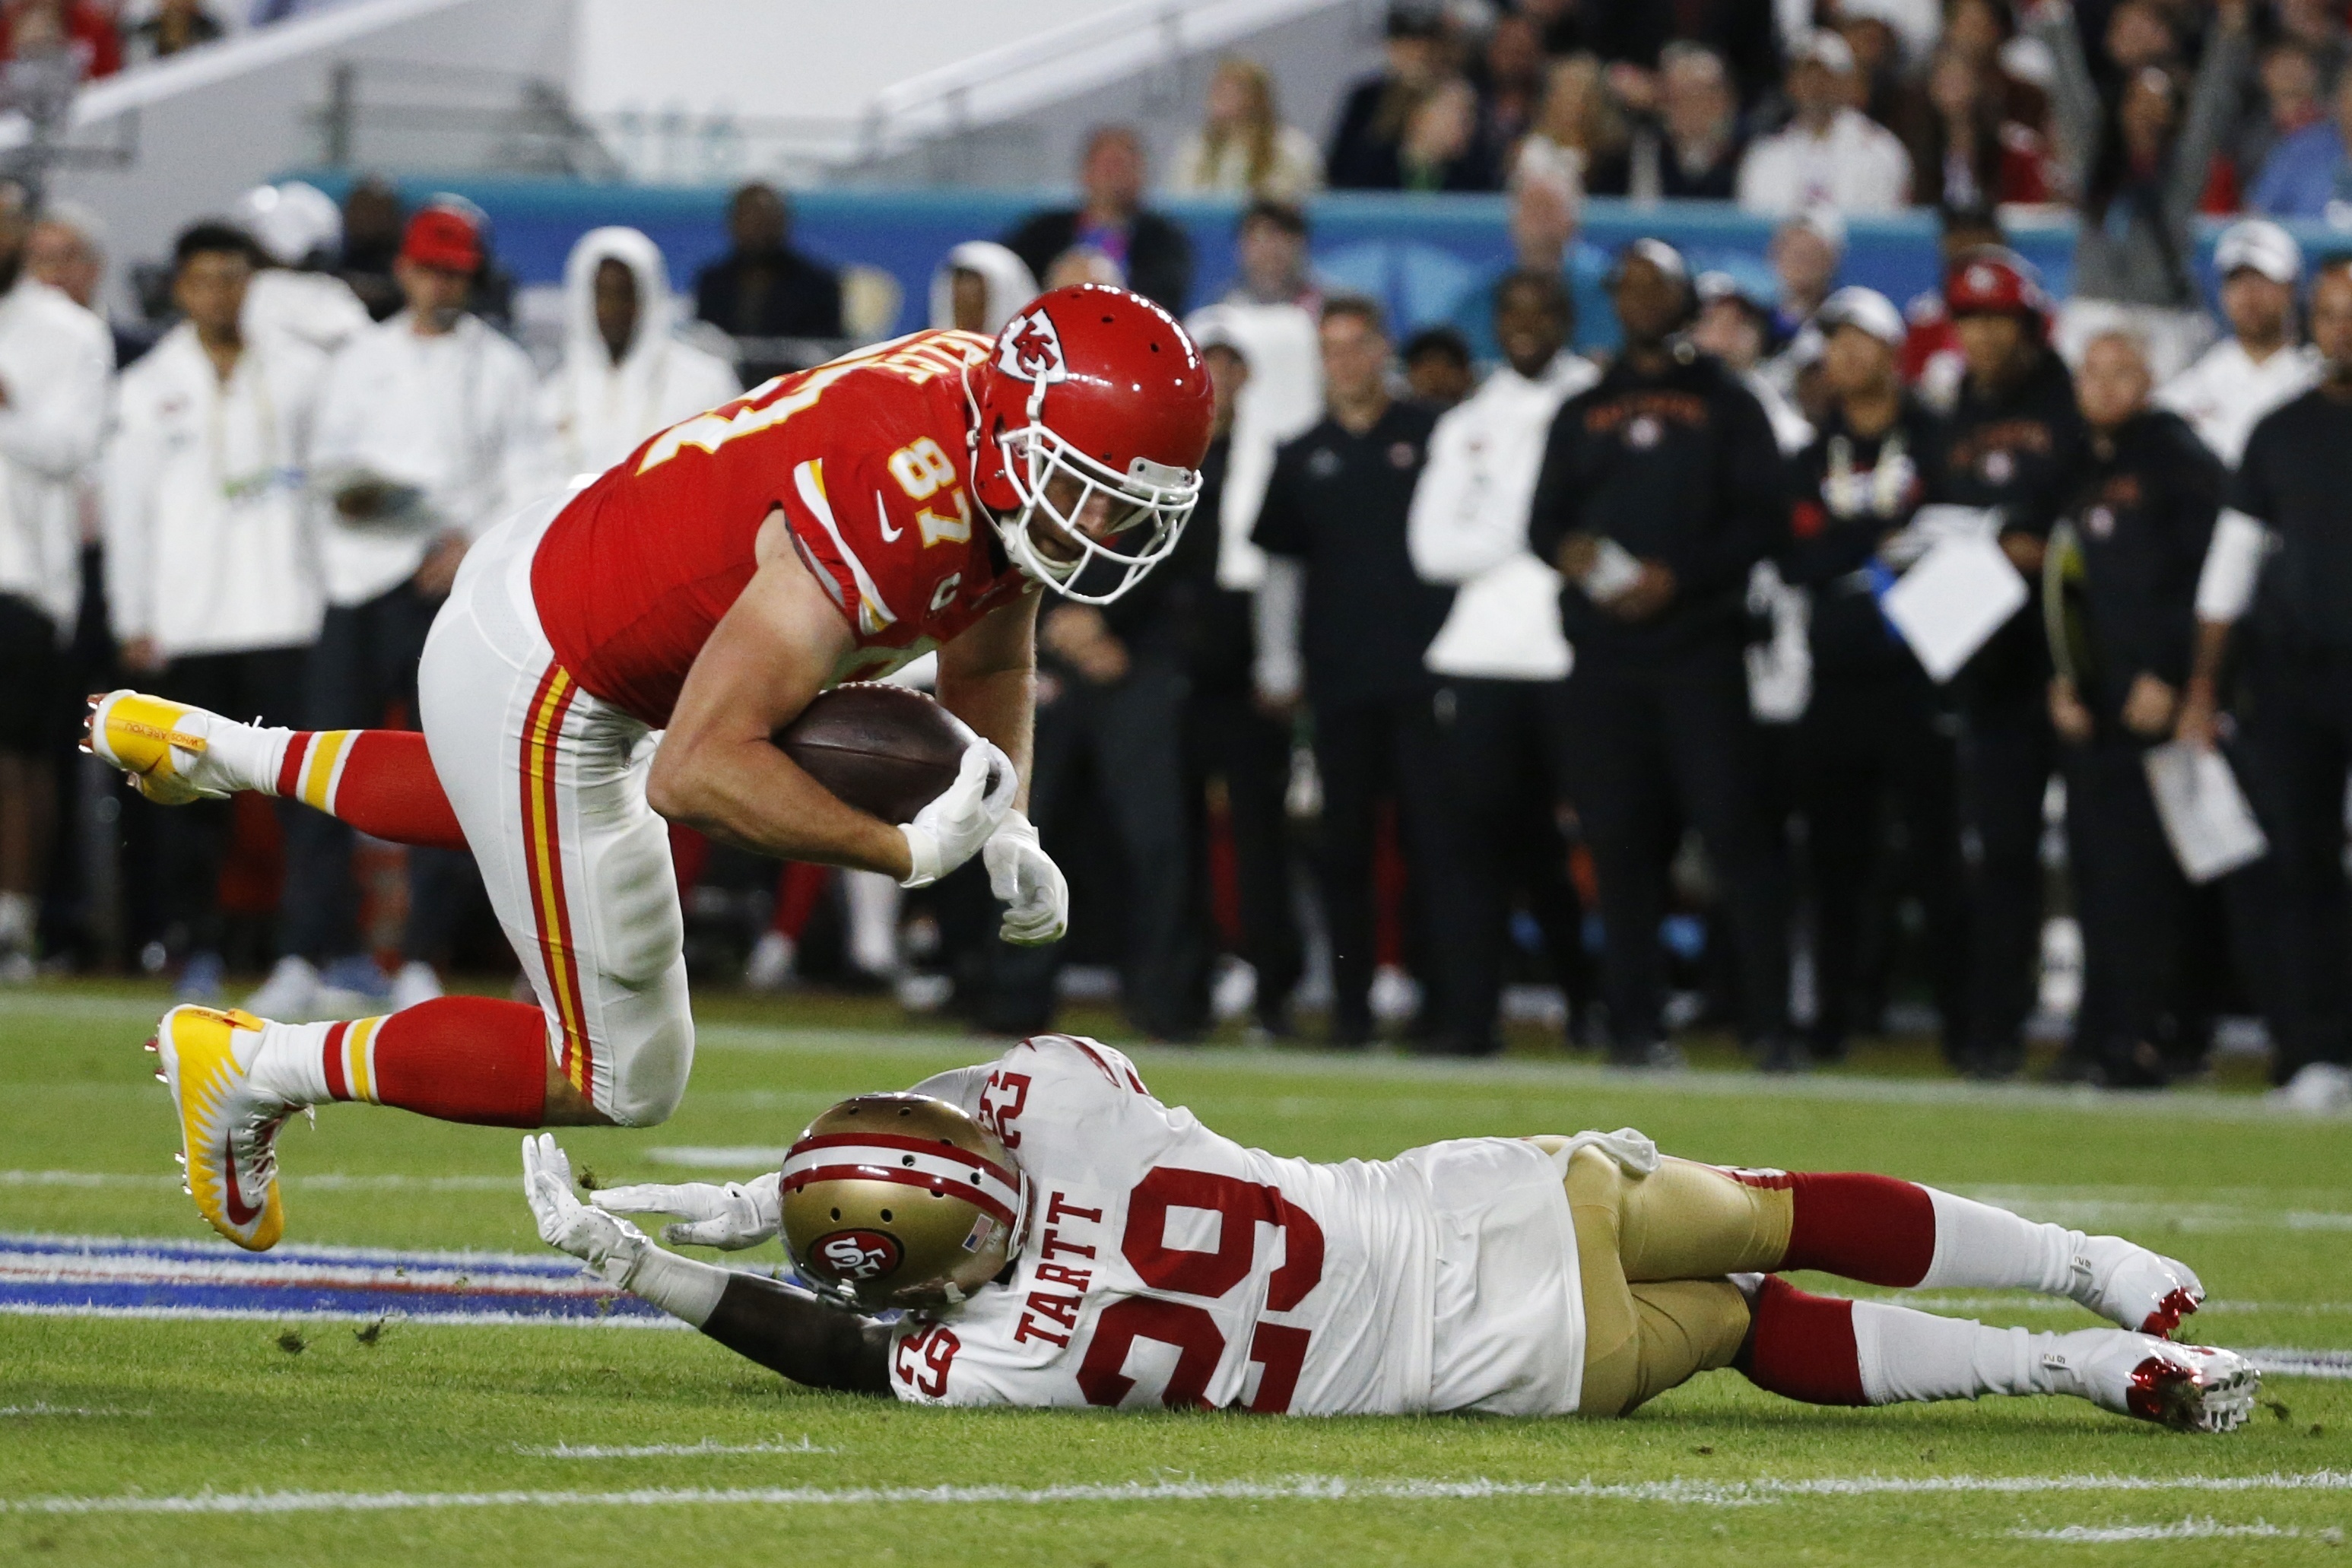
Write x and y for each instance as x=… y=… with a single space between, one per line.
x=1152 y=500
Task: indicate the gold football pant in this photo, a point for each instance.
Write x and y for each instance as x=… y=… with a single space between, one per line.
x=1653 y=1251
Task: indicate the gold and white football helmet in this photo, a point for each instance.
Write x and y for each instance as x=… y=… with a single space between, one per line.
x=900 y=1201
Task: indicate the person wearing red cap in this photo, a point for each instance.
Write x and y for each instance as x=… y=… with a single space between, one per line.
x=428 y=432
x=2014 y=434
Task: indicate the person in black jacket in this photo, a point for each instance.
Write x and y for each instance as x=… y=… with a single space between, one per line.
x=2283 y=568
x=1874 y=748
x=1152 y=251
x=1365 y=144
x=1661 y=488
x=2012 y=441
x=2141 y=511
x=1335 y=516
x=763 y=288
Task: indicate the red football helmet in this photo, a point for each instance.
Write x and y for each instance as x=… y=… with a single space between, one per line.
x=1989 y=279
x=1103 y=386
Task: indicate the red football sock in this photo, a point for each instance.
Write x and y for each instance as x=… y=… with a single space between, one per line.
x=458 y=1058
x=1872 y=1228
x=1802 y=1346
x=380 y=781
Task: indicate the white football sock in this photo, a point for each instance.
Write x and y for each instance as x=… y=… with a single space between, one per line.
x=1911 y=1356
x=1990 y=1249
x=245 y=756
x=287 y=1060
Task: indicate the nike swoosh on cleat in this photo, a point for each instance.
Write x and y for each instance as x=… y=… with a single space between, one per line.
x=889 y=535
x=238 y=1215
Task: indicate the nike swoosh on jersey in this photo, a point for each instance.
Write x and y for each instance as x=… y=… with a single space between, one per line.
x=882 y=510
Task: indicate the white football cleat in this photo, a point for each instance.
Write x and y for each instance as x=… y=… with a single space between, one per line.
x=2190 y=1388
x=165 y=747
x=2133 y=1288
x=228 y=1128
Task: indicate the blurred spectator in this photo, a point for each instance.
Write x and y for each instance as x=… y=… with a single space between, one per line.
x=297 y=232
x=2012 y=436
x=2259 y=365
x=1691 y=147
x=66 y=251
x=980 y=287
x=1561 y=22
x=1344 y=622
x=1965 y=150
x=177 y=25
x=428 y=434
x=373 y=223
x=1084 y=264
x=31 y=28
x=1441 y=149
x=2141 y=509
x=1737 y=326
x=1634 y=33
x=1884 y=88
x=56 y=362
x=2277 y=566
x=1932 y=362
x=2292 y=99
x=1579 y=128
x=1437 y=368
x=212 y=571
x=763 y=288
x=2307 y=175
x=1110 y=217
x=1830 y=153
x=1874 y=747
x=1661 y=488
x=1501 y=652
x=1511 y=81
x=1229 y=738
x=1270 y=254
x=1243 y=147
x=626 y=373
x=1805 y=254
x=1545 y=213
x=2318 y=28
x=2141 y=162
x=1372 y=118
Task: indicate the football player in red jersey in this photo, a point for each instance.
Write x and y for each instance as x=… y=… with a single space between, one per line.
x=831 y=525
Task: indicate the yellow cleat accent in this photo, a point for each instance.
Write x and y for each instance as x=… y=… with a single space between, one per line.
x=139 y=734
x=228 y=1131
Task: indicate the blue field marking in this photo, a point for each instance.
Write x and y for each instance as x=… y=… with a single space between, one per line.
x=145 y=1277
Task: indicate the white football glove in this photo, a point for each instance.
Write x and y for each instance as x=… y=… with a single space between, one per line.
x=952 y=829
x=738 y=1215
x=607 y=1244
x=1036 y=894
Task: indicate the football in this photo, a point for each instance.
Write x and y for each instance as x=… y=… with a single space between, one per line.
x=887 y=750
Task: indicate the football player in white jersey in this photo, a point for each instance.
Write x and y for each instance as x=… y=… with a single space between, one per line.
x=1040 y=1231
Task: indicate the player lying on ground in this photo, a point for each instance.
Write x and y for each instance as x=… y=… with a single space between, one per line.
x=1056 y=1236
x=829 y=526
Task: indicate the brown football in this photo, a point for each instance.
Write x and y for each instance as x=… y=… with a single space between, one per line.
x=887 y=750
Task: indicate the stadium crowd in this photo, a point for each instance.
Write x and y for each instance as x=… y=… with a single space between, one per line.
x=1547 y=645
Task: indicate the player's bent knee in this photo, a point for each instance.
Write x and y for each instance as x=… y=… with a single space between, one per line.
x=649 y=1075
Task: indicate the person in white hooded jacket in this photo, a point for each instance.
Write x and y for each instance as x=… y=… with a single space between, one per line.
x=211 y=546
x=56 y=360
x=980 y=287
x=1501 y=651
x=626 y=373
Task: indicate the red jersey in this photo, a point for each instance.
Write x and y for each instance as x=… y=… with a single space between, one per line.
x=867 y=458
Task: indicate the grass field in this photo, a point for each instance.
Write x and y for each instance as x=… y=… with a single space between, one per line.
x=133 y=1441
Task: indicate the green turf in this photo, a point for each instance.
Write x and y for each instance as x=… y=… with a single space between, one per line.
x=2257 y=1204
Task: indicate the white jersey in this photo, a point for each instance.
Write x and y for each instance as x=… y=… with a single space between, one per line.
x=2225 y=394
x=1165 y=1265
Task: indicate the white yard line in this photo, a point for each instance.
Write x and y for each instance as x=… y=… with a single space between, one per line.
x=2186 y=1529
x=318 y=1181
x=1298 y=1488
x=296 y=1315
x=664 y=1451
x=39 y=1409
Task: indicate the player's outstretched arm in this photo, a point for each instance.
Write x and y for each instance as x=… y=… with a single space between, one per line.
x=780 y=1326
x=719 y=770
x=988 y=678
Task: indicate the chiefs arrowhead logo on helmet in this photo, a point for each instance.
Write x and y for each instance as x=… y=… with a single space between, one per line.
x=1031 y=348
x=853 y=1255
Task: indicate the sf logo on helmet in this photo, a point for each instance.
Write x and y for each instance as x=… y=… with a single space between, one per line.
x=1031 y=350
x=856 y=1254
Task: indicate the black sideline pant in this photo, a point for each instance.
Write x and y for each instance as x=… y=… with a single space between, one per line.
x=1230 y=740
x=1652 y=746
x=192 y=840
x=2133 y=902
x=2296 y=722
x=2007 y=752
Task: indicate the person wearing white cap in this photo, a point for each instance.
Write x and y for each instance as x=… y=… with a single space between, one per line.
x=980 y=287
x=1869 y=743
x=298 y=226
x=1831 y=154
x=2260 y=366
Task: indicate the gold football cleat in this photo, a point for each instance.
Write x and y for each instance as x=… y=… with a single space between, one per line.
x=228 y=1130
x=160 y=743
